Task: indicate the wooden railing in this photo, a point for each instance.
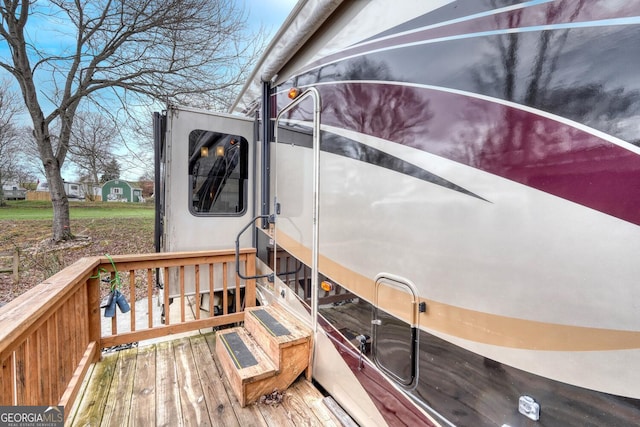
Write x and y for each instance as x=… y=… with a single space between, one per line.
x=15 y=264
x=50 y=335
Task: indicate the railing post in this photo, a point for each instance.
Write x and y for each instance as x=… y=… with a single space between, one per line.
x=16 y=266
x=250 y=284
x=93 y=310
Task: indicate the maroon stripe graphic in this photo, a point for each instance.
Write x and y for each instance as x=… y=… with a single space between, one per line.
x=558 y=12
x=524 y=147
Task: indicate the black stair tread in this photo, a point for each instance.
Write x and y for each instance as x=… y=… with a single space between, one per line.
x=250 y=361
x=240 y=354
x=273 y=326
x=298 y=332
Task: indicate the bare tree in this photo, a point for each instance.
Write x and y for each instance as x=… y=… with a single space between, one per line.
x=186 y=51
x=9 y=136
x=136 y=137
x=91 y=145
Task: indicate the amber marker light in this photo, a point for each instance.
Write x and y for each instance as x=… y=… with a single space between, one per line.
x=294 y=92
x=326 y=286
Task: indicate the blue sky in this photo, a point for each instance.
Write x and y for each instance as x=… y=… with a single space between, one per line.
x=270 y=13
x=50 y=32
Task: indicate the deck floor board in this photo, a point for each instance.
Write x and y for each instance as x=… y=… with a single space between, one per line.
x=218 y=402
x=168 y=410
x=91 y=408
x=116 y=410
x=143 y=400
x=179 y=383
x=249 y=415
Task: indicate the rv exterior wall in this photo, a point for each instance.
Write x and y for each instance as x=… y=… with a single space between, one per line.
x=483 y=154
x=480 y=192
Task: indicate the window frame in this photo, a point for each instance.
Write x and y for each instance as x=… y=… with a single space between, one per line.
x=395 y=295
x=242 y=168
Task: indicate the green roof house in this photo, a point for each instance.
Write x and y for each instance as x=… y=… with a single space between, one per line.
x=118 y=190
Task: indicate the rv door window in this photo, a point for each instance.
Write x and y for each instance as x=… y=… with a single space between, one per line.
x=394 y=329
x=393 y=346
x=217 y=173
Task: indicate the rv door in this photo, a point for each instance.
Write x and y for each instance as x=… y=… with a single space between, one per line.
x=206 y=172
x=208 y=196
x=395 y=327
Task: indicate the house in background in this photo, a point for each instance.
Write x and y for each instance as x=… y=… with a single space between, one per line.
x=74 y=190
x=118 y=190
x=14 y=192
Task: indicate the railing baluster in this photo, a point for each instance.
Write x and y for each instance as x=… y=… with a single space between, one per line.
x=197 y=297
x=132 y=298
x=44 y=372
x=31 y=371
x=167 y=317
x=150 y=296
x=238 y=307
x=65 y=331
x=80 y=323
x=55 y=359
x=20 y=374
x=297 y=282
x=225 y=304
x=114 y=323
x=211 y=290
x=182 y=305
x=6 y=381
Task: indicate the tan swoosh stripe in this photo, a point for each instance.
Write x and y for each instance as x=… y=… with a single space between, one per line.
x=512 y=332
x=481 y=327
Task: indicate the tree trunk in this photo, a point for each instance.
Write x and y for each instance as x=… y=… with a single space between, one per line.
x=2 y=203
x=61 y=222
x=88 y=192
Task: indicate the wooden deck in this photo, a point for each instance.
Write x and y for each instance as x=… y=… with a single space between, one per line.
x=180 y=383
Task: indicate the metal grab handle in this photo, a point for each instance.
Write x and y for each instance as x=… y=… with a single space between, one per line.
x=270 y=276
x=363 y=347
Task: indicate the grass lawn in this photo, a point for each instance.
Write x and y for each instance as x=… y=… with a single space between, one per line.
x=31 y=210
x=102 y=228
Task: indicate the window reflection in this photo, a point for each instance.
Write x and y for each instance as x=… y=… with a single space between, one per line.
x=217 y=173
x=393 y=347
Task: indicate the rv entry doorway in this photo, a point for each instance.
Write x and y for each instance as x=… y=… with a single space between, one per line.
x=295 y=160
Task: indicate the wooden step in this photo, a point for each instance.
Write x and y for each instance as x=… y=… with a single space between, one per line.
x=284 y=338
x=268 y=354
x=249 y=370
